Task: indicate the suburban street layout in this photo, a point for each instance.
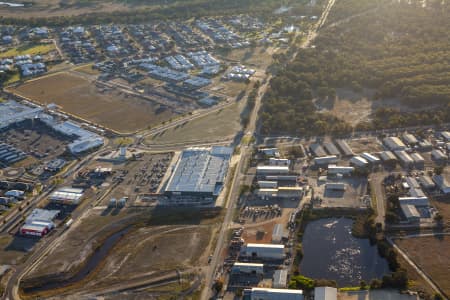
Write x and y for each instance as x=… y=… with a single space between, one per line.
x=255 y=149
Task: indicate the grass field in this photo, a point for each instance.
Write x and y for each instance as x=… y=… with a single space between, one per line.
x=87 y=69
x=215 y=126
x=432 y=255
x=81 y=98
x=31 y=50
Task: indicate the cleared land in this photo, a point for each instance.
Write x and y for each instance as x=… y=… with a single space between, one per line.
x=31 y=50
x=430 y=254
x=82 y=98
x=219 y=125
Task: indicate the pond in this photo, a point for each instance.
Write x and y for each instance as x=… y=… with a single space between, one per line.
x=332 y=252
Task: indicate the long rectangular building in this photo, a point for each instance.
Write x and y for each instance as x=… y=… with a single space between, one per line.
x=274 y=294
x=263 y=251
x=199 y=176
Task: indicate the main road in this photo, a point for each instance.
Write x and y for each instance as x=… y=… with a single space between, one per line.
x=251 y=131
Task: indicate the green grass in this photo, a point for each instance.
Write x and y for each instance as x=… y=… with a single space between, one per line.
x=14 y=78
x=31 y=50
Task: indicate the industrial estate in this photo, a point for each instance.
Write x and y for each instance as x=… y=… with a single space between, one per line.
x=136 y=159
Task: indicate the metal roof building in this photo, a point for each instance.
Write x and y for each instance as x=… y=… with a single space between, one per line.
x=418 y=159
x=394 y=143
x=325 y=160
x=249 y=268
x=442 y=183
x=331 y=148
x=280 y=279
x=333 y=169
x=358 y=161
x=345 y=148
x=370 y=158
x=275 y=294
x=410 y=212
x=200 y=174
x=264 y=251
x=317 y=150
x=410 y=139
x=67 y=195
x=438 y=155
x=41 y=215
x=387 y=156
x=272 y=170
x=325 y=293
x=405 y=158
x=446 y=135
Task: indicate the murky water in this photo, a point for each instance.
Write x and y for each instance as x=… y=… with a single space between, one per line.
x=331 y=252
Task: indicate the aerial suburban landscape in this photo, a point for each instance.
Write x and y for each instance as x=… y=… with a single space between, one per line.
x=222 y=149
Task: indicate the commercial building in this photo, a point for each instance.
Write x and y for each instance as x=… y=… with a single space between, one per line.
x=67 y=195
x=345 y=148
x=280 y=279
x=263 y=251
x=273 y=294
x=325 y=293
x=325 y=160
x=247 y=268
x=199 y=176
x=272 y=170
x=359 y=162
x=394 y=143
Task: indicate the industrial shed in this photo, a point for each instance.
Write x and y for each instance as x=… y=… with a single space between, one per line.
x=387 y=156
x=325 y=293
x=325 y=160
x=317 y=150
x=335 y=186
x=410 y=212
x=273 y=294
x=416 y=201
x=333 y=170
x=280 y=279
x=438 y=155
x=370 y=158
x=345 y=148
x=263 y=251
x=272 y=170
x=359 y=162
x=331 y=149
x=404 y=158
x=410 y=139
x=67 y=195
x=442 y=183
x=419 y=161
x=394 y=143
x=199 y=176
x=278 y=233
x=247 y=268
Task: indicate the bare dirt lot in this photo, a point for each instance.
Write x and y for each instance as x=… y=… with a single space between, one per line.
x=431 y=254
x=369 y=144
x=219 y=125
x=82 y=98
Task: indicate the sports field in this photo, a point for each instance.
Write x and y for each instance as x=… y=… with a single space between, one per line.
x=80 y=97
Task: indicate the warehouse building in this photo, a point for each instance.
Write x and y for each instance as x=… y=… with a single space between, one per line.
x=278 y=233
x=416 y=201
x=372 y=159
x=67 y=195
x=267 y=184
x=247 y=268
x=280 y=279
x=325 y=293
x=359 y=162
x=438 y=155
x=442 y=183
x=388 y=156
x=273 y=294
x=410 y=139
x=263 y=251
x=272 y=170
x=39 y=222
x=334 y=170
x=335 y=186
x=419 y=161
x=325 y=160
x=345 y=148
x=410 y=212
x=426 y=182
x=317 y=150
x=279 y=161
x=199 y=176
x=331 y=149
x=286 y=192
x=404 y=158
x=285 y=178
x=446 y=135
x=394 y=143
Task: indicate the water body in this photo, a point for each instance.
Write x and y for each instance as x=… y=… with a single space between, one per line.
x=87 y=268
x=10 y=4
x=331 y=252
